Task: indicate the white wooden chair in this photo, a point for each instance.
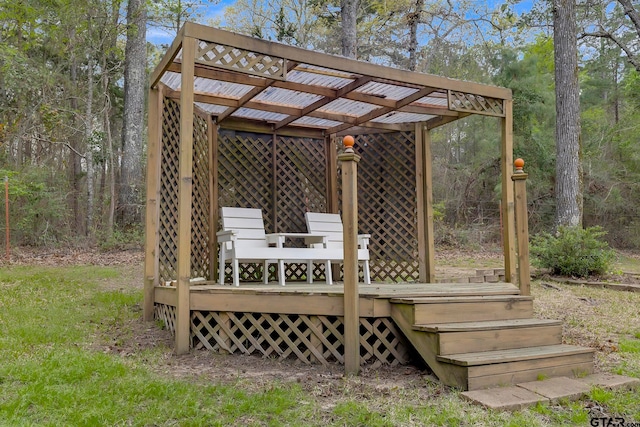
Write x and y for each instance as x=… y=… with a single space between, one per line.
x=243 y=239
x=330 y=224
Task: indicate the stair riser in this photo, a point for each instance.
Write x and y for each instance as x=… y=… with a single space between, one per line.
x=473 y=311
x=571 y=371
x=500 y=374
x=504 y=339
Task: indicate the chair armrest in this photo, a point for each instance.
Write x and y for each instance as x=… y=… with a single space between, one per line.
x=226 y=236
x=275 y=239
x=363 y=240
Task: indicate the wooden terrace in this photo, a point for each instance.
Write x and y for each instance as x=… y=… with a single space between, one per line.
x=235 y=121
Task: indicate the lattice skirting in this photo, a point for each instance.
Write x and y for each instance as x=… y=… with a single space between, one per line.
x=166 y=314
x=311 y=339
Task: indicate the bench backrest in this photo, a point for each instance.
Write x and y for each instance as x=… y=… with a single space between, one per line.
x=326 y=223
x=247 y=223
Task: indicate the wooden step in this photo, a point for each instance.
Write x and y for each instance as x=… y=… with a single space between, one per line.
x=495 y=368
x=429 y=310
x=493 y=335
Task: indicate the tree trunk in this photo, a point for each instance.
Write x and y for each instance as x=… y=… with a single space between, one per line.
x=568 y=185
x=134 y=84
x=414 y=20
x=89 y=152
x=349 y=40
x=75 y=166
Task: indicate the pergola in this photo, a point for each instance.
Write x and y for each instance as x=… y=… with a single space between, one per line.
x=212 y=81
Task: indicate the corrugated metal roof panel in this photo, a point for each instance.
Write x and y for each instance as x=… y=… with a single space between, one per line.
x=250 y=113
x=314 y=79
x=290 y=98
x=218 y=88
x=387 y=91
x=347 y=106
x=211 y=108
x=311 y=121
x=172 y=80
x=439 y=101
x=399 y=117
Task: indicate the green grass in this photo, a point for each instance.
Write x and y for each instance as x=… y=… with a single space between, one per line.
x=54 y=372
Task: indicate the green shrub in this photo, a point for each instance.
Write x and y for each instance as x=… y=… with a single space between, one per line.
x=573 y=251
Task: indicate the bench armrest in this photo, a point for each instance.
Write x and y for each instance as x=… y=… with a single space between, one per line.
x=226 y=236
x=363 y=240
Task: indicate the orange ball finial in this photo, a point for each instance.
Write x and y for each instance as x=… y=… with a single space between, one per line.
x=518 y=163
x=348 y=141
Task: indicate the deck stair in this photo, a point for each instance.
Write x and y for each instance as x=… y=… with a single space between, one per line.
x=481 y=341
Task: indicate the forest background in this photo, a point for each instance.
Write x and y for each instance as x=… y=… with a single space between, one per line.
x=73 y=81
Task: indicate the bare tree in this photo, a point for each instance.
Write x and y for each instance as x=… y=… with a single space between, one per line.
x=568 y=186
x=349 y=40
x=132 y=131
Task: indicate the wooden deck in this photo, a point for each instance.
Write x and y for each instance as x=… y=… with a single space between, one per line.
x=321 y=299
x=466 y=332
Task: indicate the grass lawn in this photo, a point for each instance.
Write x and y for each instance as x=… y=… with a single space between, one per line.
x=72 y=354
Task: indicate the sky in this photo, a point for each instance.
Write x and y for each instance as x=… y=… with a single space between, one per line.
x=212 y=10
x=215 y=10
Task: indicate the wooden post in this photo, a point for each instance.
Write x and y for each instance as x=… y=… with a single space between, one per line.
x=350 y=230
x=332 y=170
x=185 y=190
x=508 y=216
x=424 y=188
x=212 y=139
x=332 y=189
x=522 y=227
x=152 y=213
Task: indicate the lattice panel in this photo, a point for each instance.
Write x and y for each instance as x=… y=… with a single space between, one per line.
x=387 y=204
x=168 y=200
x=468 y=102
x=200 y=201
x=301 y=187
x=311 y=339
x=245 y=176
x=245 y=61
x=167 y=314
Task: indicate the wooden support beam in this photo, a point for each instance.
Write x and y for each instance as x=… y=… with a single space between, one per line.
x=167 y=59
x=424 y=188
x=185 y=190
x=332 y=174
x=339 y=63
x=350 y=230
x=522 y=227
x=152 y=226
x=212 y=140
x=508 y=215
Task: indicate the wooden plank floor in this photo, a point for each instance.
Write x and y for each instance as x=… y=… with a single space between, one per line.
x=374 y=290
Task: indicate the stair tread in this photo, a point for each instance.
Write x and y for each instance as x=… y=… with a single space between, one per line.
x=503 y=356
x=460 y=299
x=485 y=325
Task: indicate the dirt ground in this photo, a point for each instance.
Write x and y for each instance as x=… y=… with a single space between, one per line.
x=325 y=383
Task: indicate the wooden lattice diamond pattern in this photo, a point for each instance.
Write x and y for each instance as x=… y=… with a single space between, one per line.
x=168 y=201
x=166 y=314
x=469 y=102
x=301 y=187
x=387 y=203
x=200 y=201
x=311 y=339
x=241 y=60
x=245 y=176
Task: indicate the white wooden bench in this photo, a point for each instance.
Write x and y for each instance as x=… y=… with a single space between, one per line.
x=331 y=225
x=243 y=239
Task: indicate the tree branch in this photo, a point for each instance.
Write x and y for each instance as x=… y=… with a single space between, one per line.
x=606 y=35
